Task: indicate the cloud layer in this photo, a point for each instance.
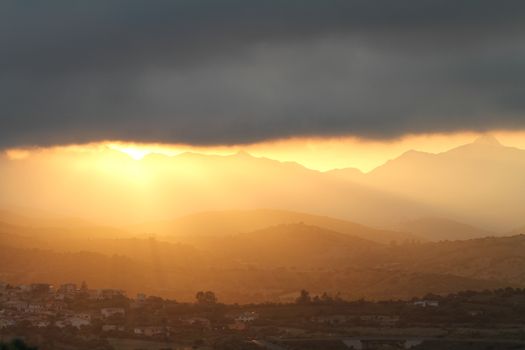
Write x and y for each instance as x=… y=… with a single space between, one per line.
x=241 y=71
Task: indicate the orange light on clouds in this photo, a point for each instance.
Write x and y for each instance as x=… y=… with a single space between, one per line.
x=317 y=153
x=364 y=154
x=111 y=182
x=16 y=154
x=134 y=152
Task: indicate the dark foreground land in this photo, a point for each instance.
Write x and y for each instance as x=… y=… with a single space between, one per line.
x=78 y=319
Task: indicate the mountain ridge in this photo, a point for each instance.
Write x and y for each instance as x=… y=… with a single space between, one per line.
x=230 y=222
x=438 y=229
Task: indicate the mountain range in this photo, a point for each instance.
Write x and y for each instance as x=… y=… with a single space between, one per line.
x=258 y=264
x=478 y=184
x=441 y=229
x=421 y=223
x=218 y=224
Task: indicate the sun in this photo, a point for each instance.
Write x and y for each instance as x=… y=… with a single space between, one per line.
x=136 y=153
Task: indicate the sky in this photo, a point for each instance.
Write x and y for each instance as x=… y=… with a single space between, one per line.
x=208 y=73
x=321 y=153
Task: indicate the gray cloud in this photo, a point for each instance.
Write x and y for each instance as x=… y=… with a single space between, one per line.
x=223 y=72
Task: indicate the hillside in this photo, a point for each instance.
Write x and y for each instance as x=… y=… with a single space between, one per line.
x=35 y=218
x=296 y=245
x=49 y=227
x=241 y=284
x=188 y=183
x=479 y=183
x=263 y=264
x=141 y=250
x=261 y=255
x=227 y=223
x=441 y=229
x=501 y=258
x=517 y=231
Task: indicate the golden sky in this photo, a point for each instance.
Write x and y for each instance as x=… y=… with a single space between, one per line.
x=315 y=153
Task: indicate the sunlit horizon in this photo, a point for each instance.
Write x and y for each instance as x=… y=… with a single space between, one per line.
x=316 y=153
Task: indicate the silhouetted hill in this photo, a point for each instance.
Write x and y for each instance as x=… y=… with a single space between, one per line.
x=47 y=227
x=37 y=265
x=265 y=263
x=479 y=183
x=232 y=283
x=118 y=190
x=297 y=245
x=34 y=218
x=142 y=250
x=517 y=231
x=440 y=229
x=346 y=173
x=227 y=223
x=499 y=258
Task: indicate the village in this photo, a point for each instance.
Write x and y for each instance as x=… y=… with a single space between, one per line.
x=73 y=316
x=40 y=305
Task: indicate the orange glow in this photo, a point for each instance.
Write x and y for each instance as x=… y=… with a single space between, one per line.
x=15 y=154
x=315 y=153
x=114 y=181
x=349 y=152
x=134 y=152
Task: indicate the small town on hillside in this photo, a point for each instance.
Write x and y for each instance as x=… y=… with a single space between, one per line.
x=73 y=316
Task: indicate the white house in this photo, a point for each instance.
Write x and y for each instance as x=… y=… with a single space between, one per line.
x=83 y=315
x=78 y=322
x=35 y=308
x=60 y=323
x=68 y=288
x=18 y=305
x=42 y=324
x=247 y=317
x=112 y=327
x=112 y=311
x=5 y=322
x=426 y=303
x=150 y=331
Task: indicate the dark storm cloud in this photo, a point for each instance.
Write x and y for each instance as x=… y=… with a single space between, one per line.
x=222 y=72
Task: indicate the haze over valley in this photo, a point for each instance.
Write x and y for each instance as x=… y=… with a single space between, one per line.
x=262 y=175
x=474 y=184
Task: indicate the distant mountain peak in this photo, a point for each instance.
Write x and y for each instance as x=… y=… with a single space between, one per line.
x=488 y=140
x=243 y=154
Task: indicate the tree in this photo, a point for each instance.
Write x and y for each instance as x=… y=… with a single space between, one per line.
x=83 y=292
x=206 y=298
x=304 y=298
x=16 y=344
x=84 y=287
x=327 y=299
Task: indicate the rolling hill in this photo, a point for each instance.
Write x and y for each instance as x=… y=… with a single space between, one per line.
x=480 y=184
x=298 y=245
x=441 y=229
x=265 y=263
x=490 y=258
x=118 y=190
x=226 y=223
